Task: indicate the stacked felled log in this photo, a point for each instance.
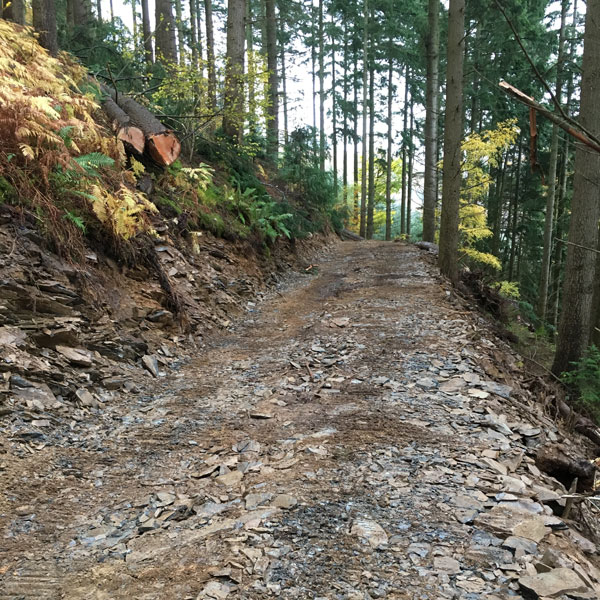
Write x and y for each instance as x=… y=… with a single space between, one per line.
x=139 y=130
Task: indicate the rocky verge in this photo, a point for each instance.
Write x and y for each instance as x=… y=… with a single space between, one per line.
x=73 y=337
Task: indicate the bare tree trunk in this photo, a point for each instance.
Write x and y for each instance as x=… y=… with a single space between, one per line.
x=44 y=22
x=365 y=108
x=371 y=195
x=313 y=60
x=284 y=84
x=404 y=165
x=431 y=121
x=273 y=104
x=194 y=34
x=499 y=206
x=514 y=221
x=321 y=90
x=147 y=33
x=356 y=203
x=411 y=157
x=179 y=28
x=166 y=47
x=575 y=320
x=334 y=120
x=14 y=10
x=448 y=257
x=210 y=57
x=551 y=191
x=233 y=104
x=388 y=170
x=345 y=118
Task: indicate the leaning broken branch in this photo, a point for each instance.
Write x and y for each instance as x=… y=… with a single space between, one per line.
x=568 y=125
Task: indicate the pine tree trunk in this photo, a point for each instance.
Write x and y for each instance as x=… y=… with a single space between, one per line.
x=388 y=170
x=334 y=120
x=233 y=104
x=313 y=60
x=411 y=157
x=135 y=26
x=147 y=33
x=365 y=108
x=575 y=320
x=514 y=220
x=252 y=68
x=355 y=187
x=82 y=13
x=44 y=22
x=99 y=10
x=499 y=206
x=431 y=121
x=551 y=191
x=210 y=57
x=70 y=13
x=179 y=28
x=286 y=132
x=345 y=118
x=321 y=90
x=166 y=46
x=273 y=85
x=448 y=257
x=371 y=195
x=404 y=162
x=14 y=10
x=194 y=34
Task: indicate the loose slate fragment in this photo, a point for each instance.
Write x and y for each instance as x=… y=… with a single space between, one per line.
x=553 y=583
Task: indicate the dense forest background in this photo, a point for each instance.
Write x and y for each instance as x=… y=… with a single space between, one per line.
x=385 y=118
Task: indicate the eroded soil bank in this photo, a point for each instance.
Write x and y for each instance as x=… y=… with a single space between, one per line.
x=359 y=434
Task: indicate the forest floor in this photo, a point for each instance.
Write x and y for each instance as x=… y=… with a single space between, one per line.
x=360 y=434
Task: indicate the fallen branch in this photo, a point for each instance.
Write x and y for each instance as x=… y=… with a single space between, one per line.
x=565 y=124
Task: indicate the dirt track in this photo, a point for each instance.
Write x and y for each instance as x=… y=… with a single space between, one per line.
x=308 y=453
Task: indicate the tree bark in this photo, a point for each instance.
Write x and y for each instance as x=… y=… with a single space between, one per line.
x=82 y=13
x=404 y=161
x=233 y=103
x=179 y=28
x=345 y=118
x=514 y=220
x=451 y=180
x=147 y=33
x=355 y=187
x=431 y=121
x=15 y=11
x=284 y=84
x=321 y=90
x=578 y=288
x=365 y=108
x=273 y=84
x=551 y=191
x=334 y=119
x=388 y=170
x=411 y=157
x=166 y=47
x=371 y=195
x=194 y=34
x=161 y=143
x=210 y=57
x=131 y=136
x=44 y=22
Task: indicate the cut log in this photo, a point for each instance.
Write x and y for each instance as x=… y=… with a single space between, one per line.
x=133 y=137
x=162 y=144
x=348 y=235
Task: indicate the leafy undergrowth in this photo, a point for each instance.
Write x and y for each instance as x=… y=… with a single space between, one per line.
x=60 y=167
x=62 y=170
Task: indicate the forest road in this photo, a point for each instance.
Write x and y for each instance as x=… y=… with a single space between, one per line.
x=332 y=446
